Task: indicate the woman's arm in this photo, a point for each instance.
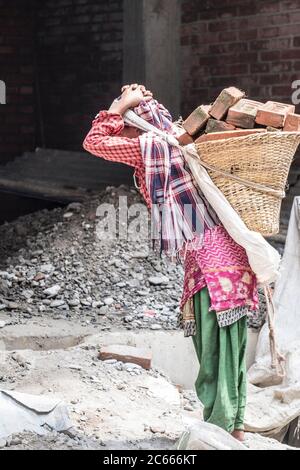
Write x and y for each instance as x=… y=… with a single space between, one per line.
x=104 y=139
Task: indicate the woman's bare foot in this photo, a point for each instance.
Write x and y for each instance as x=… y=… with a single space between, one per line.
x=239 y=435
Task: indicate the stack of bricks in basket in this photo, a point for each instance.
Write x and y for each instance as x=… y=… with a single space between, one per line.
x=233 y=115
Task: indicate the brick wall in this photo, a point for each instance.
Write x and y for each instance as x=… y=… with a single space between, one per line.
x=17 y=119
x=252 y=44
x=79 y=47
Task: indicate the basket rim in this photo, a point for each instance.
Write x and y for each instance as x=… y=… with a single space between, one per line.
x=256 y=136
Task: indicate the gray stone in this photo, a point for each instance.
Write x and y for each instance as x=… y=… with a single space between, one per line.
x=46 y=268
x=52 y=291
x=103 y=310
x=75 y=207
x=108 y=301
x=156 y=327
x=57 y=303
x=158 y=280
x=13 y=305
x=73 y=302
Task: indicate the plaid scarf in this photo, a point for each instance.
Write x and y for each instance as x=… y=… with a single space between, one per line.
x=180 y=212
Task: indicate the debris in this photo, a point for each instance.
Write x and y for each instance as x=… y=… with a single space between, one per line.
x=108 y=301
x=52 y=291
x=155 y=327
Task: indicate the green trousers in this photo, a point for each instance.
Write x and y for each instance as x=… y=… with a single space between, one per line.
x=221 y=383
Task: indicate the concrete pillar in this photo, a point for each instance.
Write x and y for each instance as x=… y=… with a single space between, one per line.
x=152 y=48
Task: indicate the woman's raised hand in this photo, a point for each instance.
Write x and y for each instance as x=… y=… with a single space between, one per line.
x=131 y=97
x=134 y=94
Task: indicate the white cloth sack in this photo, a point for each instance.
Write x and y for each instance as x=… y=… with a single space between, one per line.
x=276 y=406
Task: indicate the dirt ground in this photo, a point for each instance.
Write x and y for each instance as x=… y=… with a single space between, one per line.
x=61 y=292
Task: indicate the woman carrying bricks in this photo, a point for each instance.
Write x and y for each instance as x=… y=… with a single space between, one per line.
x=219 y=285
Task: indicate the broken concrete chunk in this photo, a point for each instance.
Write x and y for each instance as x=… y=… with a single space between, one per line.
x=123 y=353
x=227 y=98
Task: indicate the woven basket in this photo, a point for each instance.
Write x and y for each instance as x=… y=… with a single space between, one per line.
x=261 y=163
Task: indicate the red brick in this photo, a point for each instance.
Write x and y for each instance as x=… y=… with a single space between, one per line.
x=270 y=55
x=281 y=90
x=26 y=90
x=268 y=79
x=290 y=54
x=219 y=26
x=227 y=98
x=227 y=36
x=289 y=30
x=214 y=125
x=243 y=114
x=273 y=114
x=123 y=353
x=238 y=69
x=292 y=123
x=185 y=138
x=259 y=68
x=248 y=35
x=269 y=32
x=227 y=135
x=197 y=120
x=268 y=7
x=282 y=67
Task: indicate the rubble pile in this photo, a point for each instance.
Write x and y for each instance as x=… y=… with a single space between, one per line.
x=53 y=264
